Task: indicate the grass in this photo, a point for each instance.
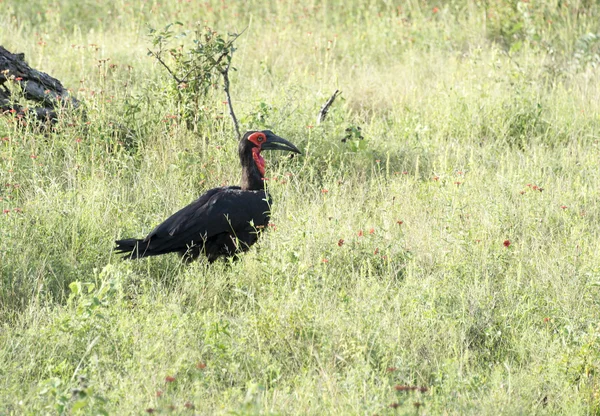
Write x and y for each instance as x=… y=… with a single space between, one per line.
x=454 y=248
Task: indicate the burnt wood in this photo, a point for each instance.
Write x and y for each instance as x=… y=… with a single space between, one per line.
x=47 y=92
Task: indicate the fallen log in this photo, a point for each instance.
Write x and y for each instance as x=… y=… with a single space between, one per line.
x=47 y=92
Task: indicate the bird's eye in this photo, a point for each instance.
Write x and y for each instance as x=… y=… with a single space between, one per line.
x=261 y=139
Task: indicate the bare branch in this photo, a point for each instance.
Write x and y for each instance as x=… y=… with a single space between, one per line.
x=225 y=74
x=325 y=108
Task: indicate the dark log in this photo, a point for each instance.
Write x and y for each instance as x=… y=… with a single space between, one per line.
x=37 y=86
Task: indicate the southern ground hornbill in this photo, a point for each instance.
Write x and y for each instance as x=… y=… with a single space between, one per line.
x=223 y=221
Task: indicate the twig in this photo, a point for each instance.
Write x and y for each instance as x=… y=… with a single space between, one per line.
x=159 y=59
x=218 y=61
x=325 y=108
x=225 y=73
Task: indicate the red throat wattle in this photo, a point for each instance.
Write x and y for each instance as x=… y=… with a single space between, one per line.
x=259 y=160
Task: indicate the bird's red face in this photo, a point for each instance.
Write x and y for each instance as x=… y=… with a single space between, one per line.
x=255 y=142
x=258 y=139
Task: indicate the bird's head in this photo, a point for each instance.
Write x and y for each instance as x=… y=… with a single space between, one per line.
x=255 y=142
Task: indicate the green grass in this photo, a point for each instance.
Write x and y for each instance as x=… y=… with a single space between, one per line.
x=467 y=111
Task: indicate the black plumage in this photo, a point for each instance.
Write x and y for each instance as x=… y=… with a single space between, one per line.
x=222 y=222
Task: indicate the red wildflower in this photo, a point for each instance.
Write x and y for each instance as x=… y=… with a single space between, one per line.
x=18 y=79
x=159 y=393
x=506 y=243
x=324 y=261
x=169 y=379
x=436 y=178
x=546 y=320
x=33 y=156
x=324 y=191
x=563 y=206
x=376 y=252
x=391 y=369
x=399 y=222
x=360 y=233
x=457 y=183
x=188 y=405
x=200 y=365
x=340 y=242
x=435 y=10
x=372 y=230
x=394 y=405
x=6 y=211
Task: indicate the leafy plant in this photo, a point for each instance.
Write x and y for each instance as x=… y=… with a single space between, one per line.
x=354 y=139
x=194 y=69
x=587 y=51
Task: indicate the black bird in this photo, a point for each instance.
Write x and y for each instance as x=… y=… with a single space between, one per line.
x=222 y=222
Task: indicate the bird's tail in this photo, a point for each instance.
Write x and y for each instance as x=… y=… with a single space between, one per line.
x=132 y=248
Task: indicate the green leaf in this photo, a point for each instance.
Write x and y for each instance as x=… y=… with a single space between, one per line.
x=75 y=288
x=516 y=47
x=79 y=404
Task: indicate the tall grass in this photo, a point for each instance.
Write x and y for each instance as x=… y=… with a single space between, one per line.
x=454 y=248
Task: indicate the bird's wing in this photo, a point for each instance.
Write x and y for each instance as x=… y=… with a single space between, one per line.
x=218 y=211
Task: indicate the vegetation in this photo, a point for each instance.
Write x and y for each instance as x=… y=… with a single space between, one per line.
x=443 y=259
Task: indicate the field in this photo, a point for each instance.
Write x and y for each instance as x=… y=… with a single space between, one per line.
x=443 y=259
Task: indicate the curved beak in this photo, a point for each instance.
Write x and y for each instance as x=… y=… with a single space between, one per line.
x=275 y=142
